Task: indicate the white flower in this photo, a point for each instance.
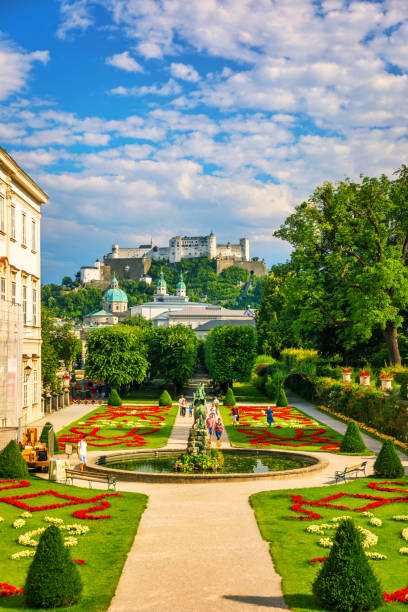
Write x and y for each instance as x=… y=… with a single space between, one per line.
x=1 y=519
x=22 y=554
x=336 y=519
x=75 y=529
x=18 y=523
x=52 y=519
x=405 y=534
x=400 y=517
x=70 y=541
x=376 y=522
x=26 y=539
x=315 y=529
x=26 y=515
x=403 y=550
x=325 y=542
x=367 y=513
x=375 y=555
x=370 y=539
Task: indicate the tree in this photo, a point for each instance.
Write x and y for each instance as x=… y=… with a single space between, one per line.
x=117 y=355
x=230 y=353
x=67 y=345
x=165 y=398
x=387 y=463
x=137 y=320
x=12 y=464
x=350 y=248
x=173 y=354
x=49 y=352
x=352 y=441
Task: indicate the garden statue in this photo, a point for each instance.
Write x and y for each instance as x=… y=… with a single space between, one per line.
x=199 y=439
x=200 y=409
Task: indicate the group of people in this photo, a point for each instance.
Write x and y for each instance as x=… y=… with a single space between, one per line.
x=213 y=421
x=183 y=406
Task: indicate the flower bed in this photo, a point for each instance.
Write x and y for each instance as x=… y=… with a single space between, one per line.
x=121 y=427
x=291 y=429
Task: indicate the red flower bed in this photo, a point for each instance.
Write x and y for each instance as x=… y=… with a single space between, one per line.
x=79 y=561
x=155 y=416
x=301 y=438
x=14 y=485
x=317 y=560
x=400 y=596
x=8 y=589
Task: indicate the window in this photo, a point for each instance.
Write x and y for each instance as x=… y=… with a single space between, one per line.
x=2 y=288
x=25 y=304
x=34 y=307
x=25 y=389
x=23 y=229
x=35 y=386
x=13 y=222
x=13 y=292
x=2 y=214
x=33 y=235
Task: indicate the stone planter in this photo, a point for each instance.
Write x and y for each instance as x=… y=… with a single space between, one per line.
x=346 y=376
x=365 y=380
x=386 y=384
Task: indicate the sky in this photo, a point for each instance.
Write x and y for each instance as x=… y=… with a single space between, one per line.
x=153 y=118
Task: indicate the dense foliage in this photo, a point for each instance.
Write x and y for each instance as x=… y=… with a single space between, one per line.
x=352 y=441
x=230 y=353
x=388 y=464
x=172 y=354
x=229 y=399
x=12 y=464
x=346 y=582
x=345 y=289
x=44 y=436
x=165 y=398
x=53 y=579
x=114 y=398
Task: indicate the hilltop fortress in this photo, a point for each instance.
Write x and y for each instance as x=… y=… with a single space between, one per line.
x=134 y=263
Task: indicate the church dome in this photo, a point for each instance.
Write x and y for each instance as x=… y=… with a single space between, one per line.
x=161 y=282
x=181 y=284
x=114 y=294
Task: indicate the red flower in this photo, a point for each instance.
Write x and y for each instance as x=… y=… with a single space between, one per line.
x=8 y=589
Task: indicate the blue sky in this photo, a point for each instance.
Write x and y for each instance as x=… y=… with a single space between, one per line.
x=162 y=117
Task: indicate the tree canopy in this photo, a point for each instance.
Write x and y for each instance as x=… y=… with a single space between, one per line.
x=173 y=354
x=230 y=353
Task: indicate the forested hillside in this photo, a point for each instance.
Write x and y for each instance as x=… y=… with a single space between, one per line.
x=72 y=301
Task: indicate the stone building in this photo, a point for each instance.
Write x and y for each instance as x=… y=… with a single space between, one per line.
x=20 y=286
x=114 y=307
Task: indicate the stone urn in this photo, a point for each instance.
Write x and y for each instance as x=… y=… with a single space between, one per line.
x=346 y=376
x=386 y=382
x=365 y=379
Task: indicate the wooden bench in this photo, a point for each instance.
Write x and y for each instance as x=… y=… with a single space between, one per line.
x=353 y=469
x=90 y=477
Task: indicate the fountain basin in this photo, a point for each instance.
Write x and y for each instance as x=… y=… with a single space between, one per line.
x=148 y=463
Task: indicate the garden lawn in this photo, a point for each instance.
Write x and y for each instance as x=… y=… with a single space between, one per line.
x=292 y=430
x=292 y=547
x=123 y=427
x=246 y=392
x=104 y=547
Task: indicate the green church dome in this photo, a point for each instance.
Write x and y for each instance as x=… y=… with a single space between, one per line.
x=161 y=282
x=181 y=284
x=114 y=294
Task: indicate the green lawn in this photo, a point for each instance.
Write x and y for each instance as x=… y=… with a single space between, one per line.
x=103 y=548
x=246 y=392
x=292 y=430
x=109 y=433
x=292 y=547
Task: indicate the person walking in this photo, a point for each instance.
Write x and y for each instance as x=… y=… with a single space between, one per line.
x=82 y=452
x=182 y=405
x=235 y=415
x=209 y=423
x=190 y=410
x=219 y=428
x=269 y=416
x=217 y=405
x=213 y=411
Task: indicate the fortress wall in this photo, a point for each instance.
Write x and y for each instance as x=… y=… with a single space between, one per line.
x=258 y=267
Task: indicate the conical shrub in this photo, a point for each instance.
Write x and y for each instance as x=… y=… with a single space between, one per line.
x=346 y=582
x=12 y=464
x=388 y=464
x=114 y=399
x=281 y=400
x=165 y=399
x=44 y=436
x=352 y=441
x=229 y=399
x=53 y=579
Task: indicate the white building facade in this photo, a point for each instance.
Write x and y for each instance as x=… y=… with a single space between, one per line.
x=20 y=287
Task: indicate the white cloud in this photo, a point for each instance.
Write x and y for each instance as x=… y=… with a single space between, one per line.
x=15 y=67
x=184 y=72
x=124 y=61
x=75 y=15
x=166 y=89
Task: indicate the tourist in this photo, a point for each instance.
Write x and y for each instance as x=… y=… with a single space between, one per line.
x=269 y=416
x=190 y=410
x=219 y=428
x=82 y=451
x=209 y=423
x=235 y=415
x=213 y=411
x=217 y=404
x=182 y=406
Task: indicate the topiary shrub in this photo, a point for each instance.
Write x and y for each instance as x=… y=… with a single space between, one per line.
x=388 y=464
x=281 y=400
x=346 y=581
x=12 y=464
x=229 y=399
x=44 y=436
x=165 y=399
x=53 y=580
x=352 y=441
x=114 y=399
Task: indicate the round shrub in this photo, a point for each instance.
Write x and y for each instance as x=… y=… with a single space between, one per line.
x=229 y=399
x=346 y=582
x=165 y=399
x=352 y=441
x=53 y=580
x=281 y=400
x=114 y=399
x=12 y=464
x=388 y=464
x=44 y=436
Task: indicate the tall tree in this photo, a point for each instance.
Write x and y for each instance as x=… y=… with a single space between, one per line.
x=350 y=250
x=173 y=354
x=230 y=353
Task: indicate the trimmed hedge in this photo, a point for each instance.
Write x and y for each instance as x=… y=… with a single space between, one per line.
x=114 y=399
x=165 y=399
x=44 y=436
x=352 y=441
x=281 y=400
x=12 y=464
x=346 y=581
x=229 y=399
x=388 y=464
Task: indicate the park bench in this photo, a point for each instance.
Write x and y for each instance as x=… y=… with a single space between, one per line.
x=90 y=477
x=353 y=469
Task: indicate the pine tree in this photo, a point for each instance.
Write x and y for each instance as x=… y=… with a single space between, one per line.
x=346 y=582
x=114 y=399
x=388 y=464
x=281 y=400
x=229 y=399
x=53 y=579
x=44 y=436
x=352 y=441
x=165 y=399
x=12 y=464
